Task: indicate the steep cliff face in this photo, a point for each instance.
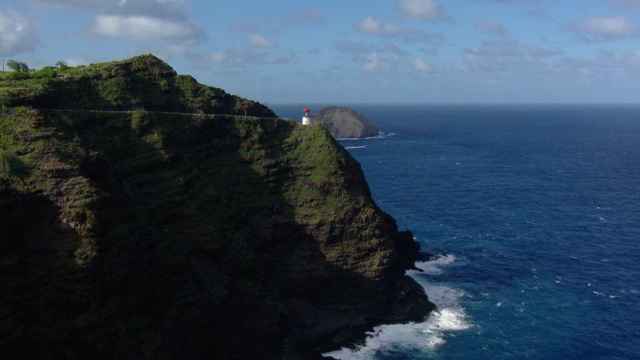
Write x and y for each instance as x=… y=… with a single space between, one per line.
x=155 y=235
x=344 y=123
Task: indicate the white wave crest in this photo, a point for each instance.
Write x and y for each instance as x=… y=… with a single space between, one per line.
x=433 y=267
x=443 y=296
x=419 y=338
x=381 y=135
x=423 y=337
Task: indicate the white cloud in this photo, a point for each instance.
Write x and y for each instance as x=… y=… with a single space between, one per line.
x=385 y=67
x=418 y=36
x=240 y=55
x=374 y=63
x=80 y=4
x=143 y=28
x=540 y=13
x=352 y=47
x=148 y=19
x=313 y=16
x=361 y=53
x=255 y=40
x=76 y=62
x=421 y=10
x=372 y=26
x=537 y=52
x=175 y=10
x=490 y=27
x=508 y=1
x=585 y=70
x=391 y=48
x=492 y=56
x=507 y=61
x=17 y=33
x=271 y=57
x=629 y=60
x=422 y=66
x=242 y=26
x=631 y=4
x=603 y=28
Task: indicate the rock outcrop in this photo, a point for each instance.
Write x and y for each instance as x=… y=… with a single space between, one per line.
x=344 y=123
x=147 y=234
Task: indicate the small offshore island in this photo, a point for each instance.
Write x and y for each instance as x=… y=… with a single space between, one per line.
x=345 y=123
x=145 y=215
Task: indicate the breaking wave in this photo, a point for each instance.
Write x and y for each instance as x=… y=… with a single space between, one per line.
x=415 y=338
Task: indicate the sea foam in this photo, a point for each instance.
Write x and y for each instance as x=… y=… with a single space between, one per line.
x=433 y=267
x=419 y=338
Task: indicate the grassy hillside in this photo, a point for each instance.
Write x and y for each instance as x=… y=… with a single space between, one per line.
x=142 y=82
x=153 y=235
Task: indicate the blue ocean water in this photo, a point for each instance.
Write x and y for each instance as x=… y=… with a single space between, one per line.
x=536 y=212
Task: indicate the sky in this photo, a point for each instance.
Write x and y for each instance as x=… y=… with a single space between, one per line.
x=352 y=51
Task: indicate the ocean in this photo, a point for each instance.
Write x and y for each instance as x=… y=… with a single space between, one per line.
x=534 y=211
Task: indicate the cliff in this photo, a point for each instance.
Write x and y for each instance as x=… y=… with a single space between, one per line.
x=344 y=123
x=147 y=234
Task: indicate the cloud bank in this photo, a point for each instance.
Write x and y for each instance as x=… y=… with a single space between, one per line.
x=148 y=19
x=595 y=29
x=422 y=10
x=18 y=33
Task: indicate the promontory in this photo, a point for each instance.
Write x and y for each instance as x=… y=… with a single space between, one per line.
x=144 y=215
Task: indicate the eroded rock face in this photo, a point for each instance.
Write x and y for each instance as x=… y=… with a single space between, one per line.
x=344 y=123
x=154 y=235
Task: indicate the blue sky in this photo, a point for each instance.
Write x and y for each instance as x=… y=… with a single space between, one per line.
x=347 y=51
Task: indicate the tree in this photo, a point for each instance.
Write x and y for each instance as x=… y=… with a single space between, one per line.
x=62 y=65
x=17 y=66
x=13 y=65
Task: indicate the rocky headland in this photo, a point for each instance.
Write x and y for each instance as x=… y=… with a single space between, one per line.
x=344 y=123
x=136 y=224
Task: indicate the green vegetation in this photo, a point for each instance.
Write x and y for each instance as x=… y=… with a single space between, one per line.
x=10 y=165
x=143 y=82
x=17 y=66
x=150 y=234
x=62 y=65
x=131 y=194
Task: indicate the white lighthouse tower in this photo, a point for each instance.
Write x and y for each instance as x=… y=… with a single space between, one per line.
x=306 y=120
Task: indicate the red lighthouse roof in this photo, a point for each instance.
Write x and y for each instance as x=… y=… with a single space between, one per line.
x=306 y=109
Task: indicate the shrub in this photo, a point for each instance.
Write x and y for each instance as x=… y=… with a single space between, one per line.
x=139 y=121
x=48 y=72
x=10 y=164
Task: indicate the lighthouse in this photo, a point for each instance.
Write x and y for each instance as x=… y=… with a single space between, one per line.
x=306 y=120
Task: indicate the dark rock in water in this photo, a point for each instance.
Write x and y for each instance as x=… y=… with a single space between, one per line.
x=343 y=122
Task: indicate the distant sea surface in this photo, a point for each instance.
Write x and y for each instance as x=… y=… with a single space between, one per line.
x=535 y=210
